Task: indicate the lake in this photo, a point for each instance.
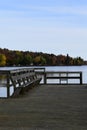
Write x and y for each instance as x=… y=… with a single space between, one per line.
x=83 y=69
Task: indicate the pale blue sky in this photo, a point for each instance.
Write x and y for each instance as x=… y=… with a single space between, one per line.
x=50 y=26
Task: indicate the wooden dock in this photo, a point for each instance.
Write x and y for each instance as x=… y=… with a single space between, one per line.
x=22 y=79
x=46 y=107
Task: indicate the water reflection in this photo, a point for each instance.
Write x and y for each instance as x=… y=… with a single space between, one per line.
x=3 y=80
x=3 y=89
x=3 y=92
x=3 y=86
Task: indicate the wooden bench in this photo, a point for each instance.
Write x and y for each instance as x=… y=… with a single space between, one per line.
x=23 y=79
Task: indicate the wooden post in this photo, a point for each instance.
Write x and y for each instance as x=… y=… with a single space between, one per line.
x=8 y=86
x=45 y=82
x=80 y=77
x=67 y=78
x=60 y=78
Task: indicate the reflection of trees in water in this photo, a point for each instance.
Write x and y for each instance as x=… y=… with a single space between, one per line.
x=2 y=80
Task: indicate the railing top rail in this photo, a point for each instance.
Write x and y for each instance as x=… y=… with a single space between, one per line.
x=39 y=69
x=73 y=72
x=16 y=70
x=22 y=70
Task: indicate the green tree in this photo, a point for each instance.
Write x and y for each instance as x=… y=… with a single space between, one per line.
x=39 y=60
x=43 y=61
x=78 y=61
x=2 y=60
x=18 y=58
x=28 y=59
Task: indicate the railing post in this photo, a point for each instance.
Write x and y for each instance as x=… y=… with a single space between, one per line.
x=45 y=78
x=60 y=78
x=67 y=78
x=80 y=77
x=8 y=86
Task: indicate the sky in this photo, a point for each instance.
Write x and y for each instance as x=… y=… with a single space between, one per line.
x=48 y=26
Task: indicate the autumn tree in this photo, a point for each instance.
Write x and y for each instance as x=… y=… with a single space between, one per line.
x=61 y=60
x=2 y=60
x=25 y=58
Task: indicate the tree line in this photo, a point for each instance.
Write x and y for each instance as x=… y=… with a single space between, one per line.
x=27 y=58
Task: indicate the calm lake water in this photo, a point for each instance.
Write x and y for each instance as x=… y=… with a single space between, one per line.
x=83 y=69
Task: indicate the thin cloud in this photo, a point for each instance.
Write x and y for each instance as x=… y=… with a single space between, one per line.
x=74 y=10
x=44 y=11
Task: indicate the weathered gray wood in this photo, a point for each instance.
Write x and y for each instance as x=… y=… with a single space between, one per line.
x=48 y=107
x=27 y=76
x=61 y=75
x=80 y=78
x=8 y=86
x=17 y=92
x=19 y=78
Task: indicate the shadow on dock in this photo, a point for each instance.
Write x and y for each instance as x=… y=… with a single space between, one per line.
x=46 y=107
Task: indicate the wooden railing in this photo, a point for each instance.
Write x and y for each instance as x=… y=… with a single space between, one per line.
x=60 y=77
x=19 y=79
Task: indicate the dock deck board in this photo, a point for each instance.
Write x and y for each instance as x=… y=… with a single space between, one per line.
x=46 y=107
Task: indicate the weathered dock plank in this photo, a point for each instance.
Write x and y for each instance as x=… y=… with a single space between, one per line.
x=47 y=107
